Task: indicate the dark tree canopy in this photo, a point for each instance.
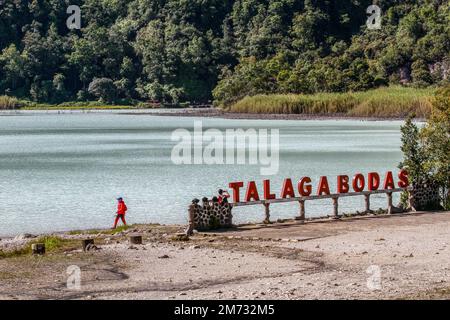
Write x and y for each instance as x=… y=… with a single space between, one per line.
x=194 y=50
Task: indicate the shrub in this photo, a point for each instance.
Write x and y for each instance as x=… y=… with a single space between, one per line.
x=103 y=89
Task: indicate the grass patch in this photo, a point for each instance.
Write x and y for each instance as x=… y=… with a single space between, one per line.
x=11 y=103
x=392 y=101
x=53 y=244
x=74 y=106
x=104 y=231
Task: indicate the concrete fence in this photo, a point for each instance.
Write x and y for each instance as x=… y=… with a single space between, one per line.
x=209 y=217
x=334 y=197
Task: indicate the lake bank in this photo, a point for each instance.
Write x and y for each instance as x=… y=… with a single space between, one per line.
x=222 y=114
x=385 y=103
x=323 y=259
x=201 y=113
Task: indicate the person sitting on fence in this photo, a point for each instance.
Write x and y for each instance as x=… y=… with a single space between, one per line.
x=223 y=196
x=205 y=202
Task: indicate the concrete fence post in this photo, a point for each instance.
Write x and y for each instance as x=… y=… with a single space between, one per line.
x=190 y=229
x=390 y=206
x=301 y=216
x=267 y=213
x=335 y=208
x=411 y=201
x=367 y=201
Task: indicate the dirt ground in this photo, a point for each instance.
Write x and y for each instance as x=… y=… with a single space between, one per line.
x=403 y=256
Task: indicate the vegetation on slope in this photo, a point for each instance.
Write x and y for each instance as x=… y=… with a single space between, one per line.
x=196 y=50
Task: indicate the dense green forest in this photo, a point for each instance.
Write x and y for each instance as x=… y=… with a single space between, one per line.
x=198 y=50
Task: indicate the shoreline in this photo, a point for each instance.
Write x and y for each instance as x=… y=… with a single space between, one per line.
x=269 y=116
x=203 y=113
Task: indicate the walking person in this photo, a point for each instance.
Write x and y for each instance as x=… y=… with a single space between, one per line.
x=121 y=210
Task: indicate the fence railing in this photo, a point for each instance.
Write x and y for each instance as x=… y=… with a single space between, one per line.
x=335 y=198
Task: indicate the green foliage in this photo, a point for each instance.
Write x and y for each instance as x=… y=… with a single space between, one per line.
x=436 y=136
x=53 y=244
x=117 y=230
x=328 y=51
x=414 y=155
x=104 y=89
x=178 y=50
x=426 y=151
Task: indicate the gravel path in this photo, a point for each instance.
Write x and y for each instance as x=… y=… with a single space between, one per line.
x=405 y=256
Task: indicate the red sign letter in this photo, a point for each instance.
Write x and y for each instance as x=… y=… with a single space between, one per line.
x=288 y=189
x=304 y=190
x=252 y=192
x=323 y=186
x=358 y=182
x=236 y=186
x=403 y=176
x=342 y=184
x=374 y=181
x=267 y=194
x=389 y=181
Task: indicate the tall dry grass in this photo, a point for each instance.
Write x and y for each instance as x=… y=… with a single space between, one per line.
x=382 y=102
x=7 y=102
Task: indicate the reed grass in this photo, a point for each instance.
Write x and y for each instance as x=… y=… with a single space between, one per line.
x=8 y=103
x=383 y=102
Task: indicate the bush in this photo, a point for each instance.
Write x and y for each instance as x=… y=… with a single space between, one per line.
x=103 y=89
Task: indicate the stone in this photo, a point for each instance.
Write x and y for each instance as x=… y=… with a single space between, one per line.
x=87 y=244
x=38 y=248
x=165 y=256
x=180 y=237
x=24 y=236
x=135 y=239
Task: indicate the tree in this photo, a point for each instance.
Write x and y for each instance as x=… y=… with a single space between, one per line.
x=436 y=135
x=12 y=64
x=414 y=157
x=183 y=46
x=104 y=89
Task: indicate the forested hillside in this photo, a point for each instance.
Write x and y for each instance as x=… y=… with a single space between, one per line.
x=196 y=50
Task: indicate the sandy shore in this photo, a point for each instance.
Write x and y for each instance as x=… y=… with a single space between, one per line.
x=218 y=113
x=323 y=259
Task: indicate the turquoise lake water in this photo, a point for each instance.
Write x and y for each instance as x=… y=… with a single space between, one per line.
x=64 y=171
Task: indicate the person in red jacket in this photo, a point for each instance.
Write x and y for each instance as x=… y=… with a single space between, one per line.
x=223 y=196
x=121 y=210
